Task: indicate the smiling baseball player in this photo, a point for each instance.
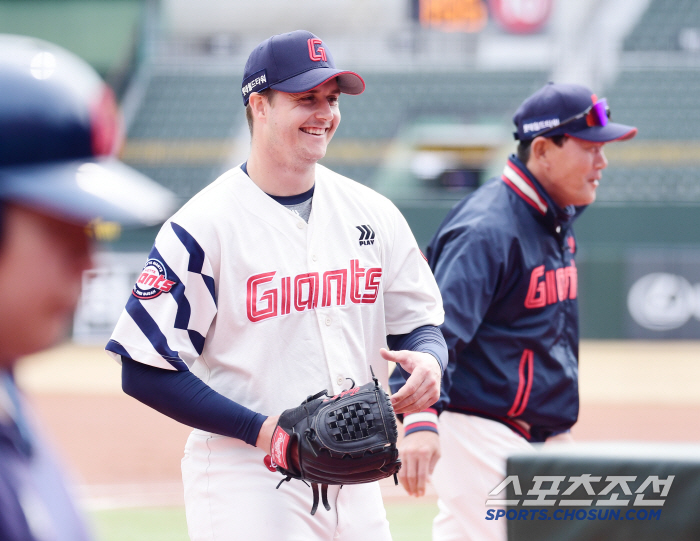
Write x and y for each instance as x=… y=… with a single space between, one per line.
x=278 y=280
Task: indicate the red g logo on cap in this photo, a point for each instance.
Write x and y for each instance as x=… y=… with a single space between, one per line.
x=316 y=54
x=105 y=124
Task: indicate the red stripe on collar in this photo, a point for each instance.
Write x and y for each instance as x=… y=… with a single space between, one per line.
x=524 y=187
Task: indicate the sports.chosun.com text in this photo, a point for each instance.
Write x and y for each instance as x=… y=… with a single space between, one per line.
x=573 y=514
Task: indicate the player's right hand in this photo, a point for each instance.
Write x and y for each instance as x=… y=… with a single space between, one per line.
x=264 y=440
x=419 y=452
x=422 y=388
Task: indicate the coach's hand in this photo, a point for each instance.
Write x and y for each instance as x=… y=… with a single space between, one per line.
x=422 y=389
x=264 y=440
x=419 y=452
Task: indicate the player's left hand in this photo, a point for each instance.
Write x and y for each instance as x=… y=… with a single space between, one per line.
x=264 y=440
x=419 y=452
x=422 y=389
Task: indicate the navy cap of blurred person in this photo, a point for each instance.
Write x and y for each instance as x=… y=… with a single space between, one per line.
x=59 y=131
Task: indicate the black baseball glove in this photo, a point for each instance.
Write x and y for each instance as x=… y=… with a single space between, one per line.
x=346 y=439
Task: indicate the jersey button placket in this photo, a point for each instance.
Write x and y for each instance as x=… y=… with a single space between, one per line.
x=329 y=333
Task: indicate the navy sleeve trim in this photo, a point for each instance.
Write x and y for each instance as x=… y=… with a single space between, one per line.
x=196 y=262
x=116 y=347
x=427 y=339
x=187 y=399
x=147 y=324
x=182 y=316
x=155 y=336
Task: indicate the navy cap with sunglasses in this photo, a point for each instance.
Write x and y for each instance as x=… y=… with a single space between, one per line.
x=294 y=62
x=568 y=109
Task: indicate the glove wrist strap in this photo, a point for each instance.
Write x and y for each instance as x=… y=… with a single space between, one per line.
x=280 y=441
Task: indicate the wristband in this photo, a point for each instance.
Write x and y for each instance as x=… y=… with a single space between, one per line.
x=425 y=420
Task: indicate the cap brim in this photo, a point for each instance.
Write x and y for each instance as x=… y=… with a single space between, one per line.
x=605 y=134
x=349 y=82
x=82 y=191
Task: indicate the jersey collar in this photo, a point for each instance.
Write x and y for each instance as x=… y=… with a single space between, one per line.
x=260 y=204
x=286 y=200
x=526 y=186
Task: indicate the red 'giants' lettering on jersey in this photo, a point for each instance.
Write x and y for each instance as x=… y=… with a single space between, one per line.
x=269 y=298
x=371 y=276
x=302 y=292
x=339 y=278
x=558 y=285
x=306 y=291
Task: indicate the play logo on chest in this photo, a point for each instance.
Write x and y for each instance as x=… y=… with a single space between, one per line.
x=153 y=281
x=366 y=235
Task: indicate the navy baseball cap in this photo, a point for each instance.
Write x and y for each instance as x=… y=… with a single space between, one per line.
x=568 y=109
x=60 y=129
x=292 y=63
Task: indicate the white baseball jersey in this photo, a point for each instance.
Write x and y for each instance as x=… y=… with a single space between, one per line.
x=267 y=309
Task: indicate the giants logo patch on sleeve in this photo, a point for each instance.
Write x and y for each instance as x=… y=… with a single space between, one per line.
x=280 y=440
x=153 y=281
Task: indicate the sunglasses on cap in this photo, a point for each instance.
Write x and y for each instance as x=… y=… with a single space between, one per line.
x=597 y=114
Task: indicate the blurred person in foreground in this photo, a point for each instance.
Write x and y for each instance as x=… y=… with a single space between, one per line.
x=59 y=128
x=504 y=261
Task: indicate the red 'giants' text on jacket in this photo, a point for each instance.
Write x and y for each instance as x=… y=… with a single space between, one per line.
x=558 y=285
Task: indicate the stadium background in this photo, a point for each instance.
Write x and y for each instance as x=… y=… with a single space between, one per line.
x=443 y=78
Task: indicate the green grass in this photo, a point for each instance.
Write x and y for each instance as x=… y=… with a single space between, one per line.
x=144 y=524
x=410 y=521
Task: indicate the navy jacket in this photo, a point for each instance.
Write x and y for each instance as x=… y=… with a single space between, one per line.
x=35 y=504
x=504 y=261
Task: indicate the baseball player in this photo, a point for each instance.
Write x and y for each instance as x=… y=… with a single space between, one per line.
x=504 y=261
x=58 y=132
x=279 y=279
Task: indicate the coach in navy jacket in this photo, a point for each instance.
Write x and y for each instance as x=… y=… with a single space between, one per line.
x=504 y=261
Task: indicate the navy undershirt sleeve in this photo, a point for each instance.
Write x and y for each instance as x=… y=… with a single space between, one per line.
x=427 y=339
x=187 y=399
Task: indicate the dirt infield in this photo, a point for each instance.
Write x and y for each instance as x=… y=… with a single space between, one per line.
x=124 y=453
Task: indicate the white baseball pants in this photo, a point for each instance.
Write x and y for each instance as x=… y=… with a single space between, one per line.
x=230 y=496
x=473 y=463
